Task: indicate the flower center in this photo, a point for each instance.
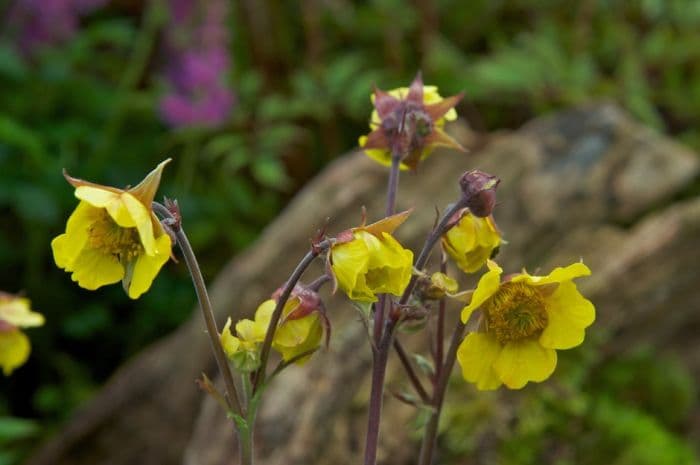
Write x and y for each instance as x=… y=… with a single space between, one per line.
x=107 y=236
x=517 y=311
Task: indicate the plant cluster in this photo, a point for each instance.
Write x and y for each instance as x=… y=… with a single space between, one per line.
x=516 y=322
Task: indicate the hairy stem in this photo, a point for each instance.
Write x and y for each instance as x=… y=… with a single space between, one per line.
x=383 y=331
x=245 y=443
x=393 y=184
x=277 y=313
x=205 y=305
x=440 y=330
x=381 y=356
x=392 y=190
x=431 y=428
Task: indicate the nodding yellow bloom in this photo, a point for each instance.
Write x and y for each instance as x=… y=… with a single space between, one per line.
x=429 y=110
x=113 y=235
x=15 y=313
x=370 y=261
x=293 y=337
x=471 y=241
x=523 y=321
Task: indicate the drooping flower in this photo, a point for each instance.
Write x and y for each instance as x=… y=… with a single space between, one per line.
x=367 y=260
x=410 y=119
x=298 y=332
x=113 y=235
x=15 y=313
x=524 y=321
x=196 y=42
x=471 y=241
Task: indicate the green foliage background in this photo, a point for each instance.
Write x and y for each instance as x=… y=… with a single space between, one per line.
x=303 y=79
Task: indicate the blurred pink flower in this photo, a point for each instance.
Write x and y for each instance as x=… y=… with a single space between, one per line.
x=38 y=23
x=196 y=44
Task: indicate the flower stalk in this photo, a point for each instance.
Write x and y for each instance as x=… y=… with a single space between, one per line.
x=443 y=377
x=260 y=374
x=204 y=304
x=383 y=329
x=381 y=355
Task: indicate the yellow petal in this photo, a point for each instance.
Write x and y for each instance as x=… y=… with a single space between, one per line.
x=17 y=312
x=523 y=361
x=229 y=342
x=109 y=200
x=349 y=262
x=14 y=350
x=569 y=313
x=254 y=331
x=141 y=217
x=476 y=355
x=264 y=312
x=488 y=285
x=68 y=246
x=147 y=267
x=444 y=282
x=247 y=330
x=296 y=337
x=93 y=269
x=471 y=242
x=390 y=267
x=558 y=275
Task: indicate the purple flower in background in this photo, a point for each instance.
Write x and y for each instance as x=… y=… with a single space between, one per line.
x=197 y=51
x=38 y=23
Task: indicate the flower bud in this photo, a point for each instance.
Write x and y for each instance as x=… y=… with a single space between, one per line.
x=479 y=191
x=437 y=286
x=309 y=301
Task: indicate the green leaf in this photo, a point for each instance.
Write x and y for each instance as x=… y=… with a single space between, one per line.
x=13 y=133
x=14 y=429
x=270 y=173
x=11 y=65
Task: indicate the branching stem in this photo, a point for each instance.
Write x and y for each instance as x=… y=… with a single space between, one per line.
x=431 y=428
x=260 y=375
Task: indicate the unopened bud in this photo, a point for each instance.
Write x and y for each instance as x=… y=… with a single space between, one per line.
x=479 y=190
x=309 y=301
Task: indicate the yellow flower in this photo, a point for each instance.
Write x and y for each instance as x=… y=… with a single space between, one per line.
x=471 y=241
x=524 y=320
x=370 y=261
x=113 y=235
x=244 y=350
x=293 y=337
x=428 y=108
x=15 y=313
